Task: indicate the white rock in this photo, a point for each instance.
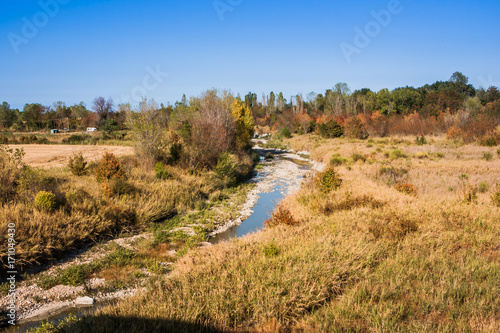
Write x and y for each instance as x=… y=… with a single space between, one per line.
x=84 y=301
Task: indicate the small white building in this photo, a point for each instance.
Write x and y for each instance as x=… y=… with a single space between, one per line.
x=91 y=129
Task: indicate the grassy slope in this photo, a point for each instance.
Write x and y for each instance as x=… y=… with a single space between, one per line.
x=364 y=258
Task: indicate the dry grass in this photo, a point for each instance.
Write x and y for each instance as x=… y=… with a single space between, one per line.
x=86 y=214
x=365 y=258
x=49 y=156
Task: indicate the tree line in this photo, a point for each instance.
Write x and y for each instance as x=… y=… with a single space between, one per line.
x=298 y=113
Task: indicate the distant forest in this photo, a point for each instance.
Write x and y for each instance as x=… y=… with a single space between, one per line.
x=454 y=107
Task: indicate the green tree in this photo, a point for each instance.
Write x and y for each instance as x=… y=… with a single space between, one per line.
x=271 y=104
x=7 y=115
x=33 y=115
x=384 y=101
x=406 y=99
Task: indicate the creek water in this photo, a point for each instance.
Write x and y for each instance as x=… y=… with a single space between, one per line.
x=265 y=205
x=262 y=210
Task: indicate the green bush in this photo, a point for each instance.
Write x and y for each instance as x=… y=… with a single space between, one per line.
x=488 y=156
x=162 y=172
x=327 y=181
x=337 y=160
x=285 y=132
x=483 y=187
x=330 y=129
x=421 y=140
x=227 y=170
x=271 y=250
x=77 y=165
x=175 y=153
x=46 y=201
x=358 y=157
x=395 y=154
x=77 y=139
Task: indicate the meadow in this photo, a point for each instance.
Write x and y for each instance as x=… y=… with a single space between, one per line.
x=397 y=234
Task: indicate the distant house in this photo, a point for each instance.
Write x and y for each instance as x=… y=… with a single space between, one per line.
x=54 y=131
x=91 y=129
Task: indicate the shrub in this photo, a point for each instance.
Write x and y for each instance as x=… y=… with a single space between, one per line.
x=162 y=172
x=109 y=168
x=469 y=192
x=45 y=201
x=175 y=153
x=226 y=169
x=495 y=197
x=406 y=188
x=393 y=175
x=421 y=140
x=355 y=129
x=422 y=155
x=119 y=186
x=76 y=139
x=281 y=215
x=3 y=140
x=285 y=132
x=31 y=181
x=488 y=141
x=488 y=156
x=77 y=165
x=483 y=187
x=337 y=160
x=358 y=157
x=454 y=133
x=395 y=154
x=271 y=250
x=327 y=181
x=330 y=129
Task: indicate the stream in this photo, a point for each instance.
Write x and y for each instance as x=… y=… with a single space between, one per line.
x=279 y=176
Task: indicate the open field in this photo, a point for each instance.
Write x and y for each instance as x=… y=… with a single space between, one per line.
x=48 y=156
x=363 y=258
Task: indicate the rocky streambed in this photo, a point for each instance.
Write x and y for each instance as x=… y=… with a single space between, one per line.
x=280 y=174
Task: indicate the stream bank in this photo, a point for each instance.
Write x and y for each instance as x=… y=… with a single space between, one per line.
x=280 y=174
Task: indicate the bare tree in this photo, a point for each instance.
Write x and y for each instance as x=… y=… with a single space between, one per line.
x=103 y=108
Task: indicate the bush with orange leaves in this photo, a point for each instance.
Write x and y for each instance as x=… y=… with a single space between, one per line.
x=109 y=168
x=281 y=215
x=454 y=133
x=406 y=188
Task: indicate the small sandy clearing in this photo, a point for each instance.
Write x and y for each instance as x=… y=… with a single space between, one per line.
x=48 y=156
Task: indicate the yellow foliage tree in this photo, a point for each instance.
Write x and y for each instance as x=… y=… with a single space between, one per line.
x=244 y=123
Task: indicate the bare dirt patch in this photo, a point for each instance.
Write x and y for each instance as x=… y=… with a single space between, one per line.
x=48 y=156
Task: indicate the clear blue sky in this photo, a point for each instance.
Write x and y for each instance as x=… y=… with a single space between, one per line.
x=86 y=49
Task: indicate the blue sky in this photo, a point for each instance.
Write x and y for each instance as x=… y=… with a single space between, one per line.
x=85 y=49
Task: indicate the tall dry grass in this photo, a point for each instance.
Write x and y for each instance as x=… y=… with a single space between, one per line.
x=363 y=258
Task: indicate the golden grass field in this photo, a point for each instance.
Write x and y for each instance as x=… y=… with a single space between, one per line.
x=363 y=258
x=48 y=156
